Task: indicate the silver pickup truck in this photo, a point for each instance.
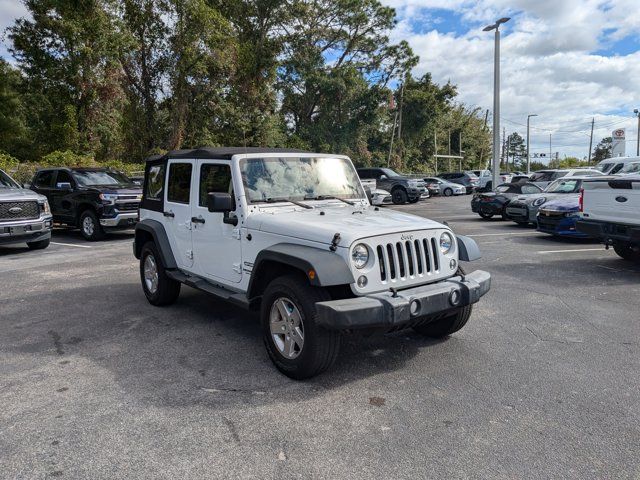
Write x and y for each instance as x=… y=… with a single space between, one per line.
x=25 y=216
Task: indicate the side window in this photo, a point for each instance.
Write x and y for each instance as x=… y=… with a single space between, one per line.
x=64 y=177
x=527 y=189
x=616 y=169
x=155 y=183
x=179 y=183
x=45 y=179
x=214 y=178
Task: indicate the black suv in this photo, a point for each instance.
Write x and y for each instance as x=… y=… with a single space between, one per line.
x=469 y=179
x=403 y=189
x=92 y=199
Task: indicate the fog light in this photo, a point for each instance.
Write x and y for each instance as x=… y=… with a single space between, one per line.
x=414 y=308
x=453 y=264
x=362 y=281
x=455 y=297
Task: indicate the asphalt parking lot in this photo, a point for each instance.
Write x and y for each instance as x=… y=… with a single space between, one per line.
x=544 y=381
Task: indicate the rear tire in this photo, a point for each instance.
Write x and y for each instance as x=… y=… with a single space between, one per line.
x=446 y=326
x=415 y=200
x=289 y=303
x=485 y=215
x=447 y=192
x=90 y=226
x=39 y=245
x=159 y=289
x=627 y=252
x=399 y=196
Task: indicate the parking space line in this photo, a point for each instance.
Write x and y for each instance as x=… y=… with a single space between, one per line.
x=70 y=245
x=572 y=250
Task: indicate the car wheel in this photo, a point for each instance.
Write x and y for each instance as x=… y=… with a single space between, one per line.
x=447 y=192
x=90 y=226
x=485 y=215
x=39 y=245
x=627 y=252
x=399 y=196
x=297 y=346
x=415 y=200
x=157 y=286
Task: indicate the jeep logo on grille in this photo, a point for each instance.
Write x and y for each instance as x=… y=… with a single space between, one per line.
x=406 y=236
x=15 y=210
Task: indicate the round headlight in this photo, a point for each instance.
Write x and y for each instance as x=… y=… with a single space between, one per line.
x=539 y=201
x=360 y=255
x=446 y=243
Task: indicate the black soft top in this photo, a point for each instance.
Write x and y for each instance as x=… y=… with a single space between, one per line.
x=219 y=153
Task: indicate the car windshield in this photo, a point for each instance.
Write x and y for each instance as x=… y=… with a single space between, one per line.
x=502 y=188
x=604 y=167
x=389 y=173
x=100 y=177
x=563 y=186
x=6 y=181
x=299 y=178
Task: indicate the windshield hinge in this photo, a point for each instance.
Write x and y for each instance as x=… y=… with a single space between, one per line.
x=236 y=233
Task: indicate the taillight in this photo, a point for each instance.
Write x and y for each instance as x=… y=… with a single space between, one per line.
x=581 y=200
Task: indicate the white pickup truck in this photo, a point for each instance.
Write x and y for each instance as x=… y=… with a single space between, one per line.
x=611 y=213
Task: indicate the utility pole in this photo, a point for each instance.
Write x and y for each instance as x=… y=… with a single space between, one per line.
x=550 y=148
x=400 y=118
x=435 y=148
x=593 y=121
x=484 y=129
x=638 y=139
x=528 y=155
x=508 y=145
x=460 y=148
x=496 y=99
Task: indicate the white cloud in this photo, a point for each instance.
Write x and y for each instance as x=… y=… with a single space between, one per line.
x=548 y=63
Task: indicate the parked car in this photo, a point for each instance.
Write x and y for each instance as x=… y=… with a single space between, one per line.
x=439 y=186
x=559 y=216
x=92 y=199
x=543 y=178
x=376 y=196
x=613 y=166
x=524 y=209
x=311 y=255
x=611 y=213
x=520 y=179
x=485 y=179
x=25 y=216
x=469 y=179
x=403 y=189
x=488 y=204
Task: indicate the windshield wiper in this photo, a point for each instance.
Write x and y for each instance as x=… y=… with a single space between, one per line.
x=284 y=199
x=330 y=197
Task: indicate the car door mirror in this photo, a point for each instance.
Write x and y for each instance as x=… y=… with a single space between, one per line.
x=219 y=202
x=383 y=177
x=63 y=186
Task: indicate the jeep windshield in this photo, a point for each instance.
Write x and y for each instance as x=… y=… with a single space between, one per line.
x=100 y=178
x=6 y=181
x=289 y=179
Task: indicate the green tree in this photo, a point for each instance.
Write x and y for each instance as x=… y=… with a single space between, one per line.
x=603 y=150
x=13 y=130
x=516 y=152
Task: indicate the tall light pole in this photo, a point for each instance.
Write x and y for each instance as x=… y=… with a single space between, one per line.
x=638 y=139
x=496 y=100
x=528 y=156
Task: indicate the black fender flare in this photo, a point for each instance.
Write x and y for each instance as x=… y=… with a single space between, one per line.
x=156 y=230
x=323 y=268
x=468 y=249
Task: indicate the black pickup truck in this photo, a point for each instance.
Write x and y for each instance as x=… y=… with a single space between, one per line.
x=403 y=189
x=92 y=199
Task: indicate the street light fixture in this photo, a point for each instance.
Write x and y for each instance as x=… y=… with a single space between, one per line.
x=528 y=155
x=496 y=100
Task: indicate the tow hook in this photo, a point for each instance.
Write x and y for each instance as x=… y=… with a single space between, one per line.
x=334 y=242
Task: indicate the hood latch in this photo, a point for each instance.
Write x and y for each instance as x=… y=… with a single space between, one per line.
x=334 y=242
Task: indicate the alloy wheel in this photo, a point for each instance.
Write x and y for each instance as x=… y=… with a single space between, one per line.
x=287 y=328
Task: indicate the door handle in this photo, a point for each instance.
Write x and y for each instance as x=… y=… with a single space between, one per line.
x=169 y=214
x=197 y=219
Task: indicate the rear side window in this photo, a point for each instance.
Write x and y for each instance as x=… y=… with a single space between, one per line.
x=530 y=189
x=45 y=179
x=155 y=183
x=179 y=183
x=214 y=178
x=616 y=169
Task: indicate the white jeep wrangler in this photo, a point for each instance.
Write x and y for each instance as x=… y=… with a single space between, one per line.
x=293 y=235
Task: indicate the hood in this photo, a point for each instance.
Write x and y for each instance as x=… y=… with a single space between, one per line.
x=564 y=203
x=352 y=223
x=19 y=194
x=124 y=189
x=528 y=199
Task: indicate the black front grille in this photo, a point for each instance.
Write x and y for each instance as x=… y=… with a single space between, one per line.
x=128 y=207
x=549 y=222
x=19 y=210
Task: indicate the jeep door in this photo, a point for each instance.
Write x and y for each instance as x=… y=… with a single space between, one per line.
x=216 y=244
x=177 y=210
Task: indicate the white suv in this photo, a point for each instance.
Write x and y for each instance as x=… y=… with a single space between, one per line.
x=292 y=234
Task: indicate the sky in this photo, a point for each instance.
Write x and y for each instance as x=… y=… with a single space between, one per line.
x=567 y=61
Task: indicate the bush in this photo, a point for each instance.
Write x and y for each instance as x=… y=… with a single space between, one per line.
x=24 y=172
x=126 y=168
x=67 y=159
x=8 y=163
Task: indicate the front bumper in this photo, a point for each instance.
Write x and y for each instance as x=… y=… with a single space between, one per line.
x=26 y=230
x=121 y=220
x=389 y=310
x=608 y=232
x=559 y=225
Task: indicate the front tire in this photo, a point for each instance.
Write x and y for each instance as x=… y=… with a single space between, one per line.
x=159 y=289
x=399 y=196
x=447 y=192
x=485 y=215
x=90 y=226
x=627 y=252
x=415 y=200
x=296 y=344
x=446 y=326
x=40 y=245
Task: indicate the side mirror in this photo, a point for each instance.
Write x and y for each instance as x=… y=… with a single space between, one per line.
x=367 y=190
x=63 y=186
x=383 y=177
x=219 y=202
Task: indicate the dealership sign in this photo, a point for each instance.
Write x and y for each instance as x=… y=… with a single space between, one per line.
x=619 y=142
